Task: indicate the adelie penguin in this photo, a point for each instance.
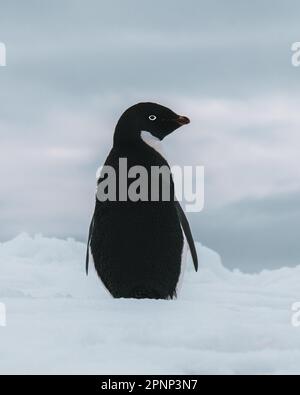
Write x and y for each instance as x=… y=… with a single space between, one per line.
x=138 y=246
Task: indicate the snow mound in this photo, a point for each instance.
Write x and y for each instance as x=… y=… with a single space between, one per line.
x=60 y=321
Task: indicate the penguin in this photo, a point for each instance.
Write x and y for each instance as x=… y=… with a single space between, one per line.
x=138 y=247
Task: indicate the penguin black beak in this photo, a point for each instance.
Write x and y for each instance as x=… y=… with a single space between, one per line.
x=183 y=120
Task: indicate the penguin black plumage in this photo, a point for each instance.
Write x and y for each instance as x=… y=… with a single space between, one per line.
x=137 y=247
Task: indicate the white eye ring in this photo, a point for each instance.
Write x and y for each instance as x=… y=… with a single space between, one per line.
x=152 y=117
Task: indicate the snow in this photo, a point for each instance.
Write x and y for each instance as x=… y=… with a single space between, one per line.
x=59 y=321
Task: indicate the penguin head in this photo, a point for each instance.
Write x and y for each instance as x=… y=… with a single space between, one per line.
x=158 y=120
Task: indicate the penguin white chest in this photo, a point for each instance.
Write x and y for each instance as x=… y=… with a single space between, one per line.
x=153 y=142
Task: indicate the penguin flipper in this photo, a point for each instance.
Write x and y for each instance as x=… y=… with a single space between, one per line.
x=188 y=233
x=91 y=228
x=88 y=246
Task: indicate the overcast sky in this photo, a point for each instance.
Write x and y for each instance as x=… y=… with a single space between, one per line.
x=74 y=66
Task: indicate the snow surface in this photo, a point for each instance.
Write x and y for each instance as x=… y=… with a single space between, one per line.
x=59 y=321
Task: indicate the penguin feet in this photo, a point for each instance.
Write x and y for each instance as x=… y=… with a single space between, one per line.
x=147 y=293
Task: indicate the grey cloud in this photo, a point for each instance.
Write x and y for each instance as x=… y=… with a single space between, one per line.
x=254 y=234
x=195 y=47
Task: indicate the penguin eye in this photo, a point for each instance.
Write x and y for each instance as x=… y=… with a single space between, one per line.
x=152 y=117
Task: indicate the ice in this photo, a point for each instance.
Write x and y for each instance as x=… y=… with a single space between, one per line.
x=60 y=321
